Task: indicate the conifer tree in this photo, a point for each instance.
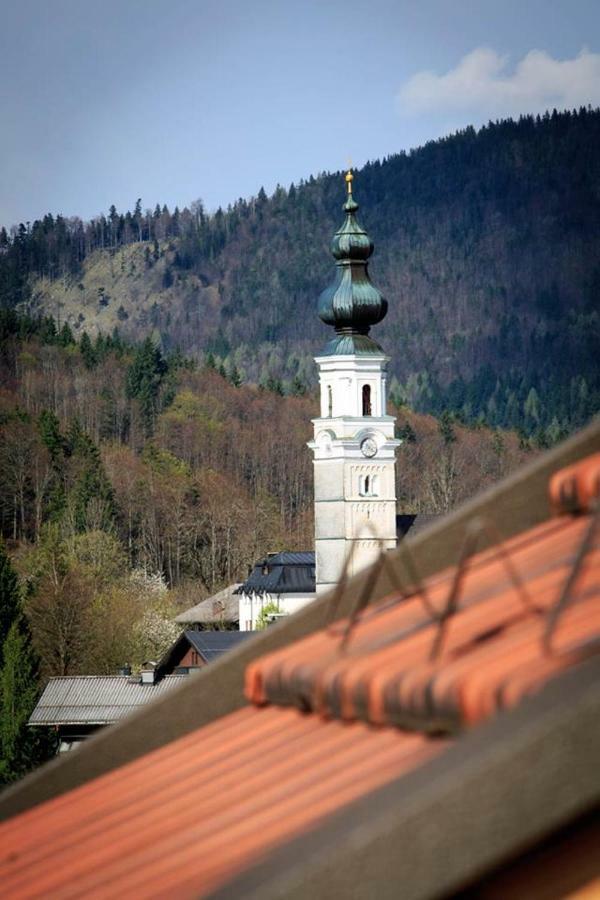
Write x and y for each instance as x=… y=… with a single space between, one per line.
x=9 y=597
x=91 y=498
x=21 y=747
x=87 y=351
x=234 y=376
x=144 y=379
x=298 y=387
x=65 y=336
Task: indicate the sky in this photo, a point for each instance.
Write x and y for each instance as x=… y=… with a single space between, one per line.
x=102 y=103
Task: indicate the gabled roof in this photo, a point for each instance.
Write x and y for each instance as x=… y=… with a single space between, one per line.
x=222 y=607
x=96 y=699
x=360 y=733
x=282 y=573
x=211 y=645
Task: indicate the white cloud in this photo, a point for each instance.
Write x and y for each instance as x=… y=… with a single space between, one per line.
x=483 y=86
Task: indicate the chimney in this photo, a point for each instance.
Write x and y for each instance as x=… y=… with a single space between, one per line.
x=148 y=673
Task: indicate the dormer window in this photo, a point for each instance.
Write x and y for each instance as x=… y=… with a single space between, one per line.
x=366 y=400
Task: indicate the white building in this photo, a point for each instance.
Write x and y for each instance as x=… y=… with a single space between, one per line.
x=354 y=446
x=283 y=582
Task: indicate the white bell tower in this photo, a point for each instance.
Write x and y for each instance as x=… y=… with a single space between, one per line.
x=354 y=446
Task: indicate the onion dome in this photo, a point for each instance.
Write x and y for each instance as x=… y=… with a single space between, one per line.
x=351 y=304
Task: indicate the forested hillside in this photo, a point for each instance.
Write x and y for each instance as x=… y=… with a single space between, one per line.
x=487 y=247
x=134 y=483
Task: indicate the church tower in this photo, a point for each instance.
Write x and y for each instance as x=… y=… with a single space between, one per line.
x=354 y=446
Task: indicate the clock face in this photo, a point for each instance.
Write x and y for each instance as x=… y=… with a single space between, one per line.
x=368 y=447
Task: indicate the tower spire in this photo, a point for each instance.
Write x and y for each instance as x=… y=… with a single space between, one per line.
x=354 y=444
x=352 y=303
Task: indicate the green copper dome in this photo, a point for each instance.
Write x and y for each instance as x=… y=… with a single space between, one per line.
x=351 y=304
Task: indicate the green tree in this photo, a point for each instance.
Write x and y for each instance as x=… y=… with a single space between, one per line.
x=87 y=351
x=298 y=387
x=9 y=596
x=65 y=337
x=532 y=408
x=405 y=432
x=21 y=747
x=90 y=499
x=262 y=619
x=144 y=378
x=234 y=376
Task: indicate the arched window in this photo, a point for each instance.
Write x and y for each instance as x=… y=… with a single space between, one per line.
x=329 y=401
x=367 y=485
x=366 y=400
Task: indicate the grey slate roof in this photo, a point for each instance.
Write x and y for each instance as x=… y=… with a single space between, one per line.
x=221 y=607
x=212 y=644
x=209 y=644
x=282 y=573
x=95 y=699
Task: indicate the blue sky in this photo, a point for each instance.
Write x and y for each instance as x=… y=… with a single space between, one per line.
x=103 y=103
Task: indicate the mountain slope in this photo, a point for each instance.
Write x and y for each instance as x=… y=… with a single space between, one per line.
x=487 y=247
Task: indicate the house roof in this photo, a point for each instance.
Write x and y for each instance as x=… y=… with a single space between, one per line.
x=351 y=715
x=294 y=572
x=95 y=699
x=221 y=607
x=282 y=573
x=211 y=645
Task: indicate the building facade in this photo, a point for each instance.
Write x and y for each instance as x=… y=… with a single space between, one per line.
x=354 y=445
x=281 y=583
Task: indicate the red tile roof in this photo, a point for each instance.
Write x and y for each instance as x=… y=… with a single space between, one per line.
x=187 y=818
x=399 y=667
x=192 y=814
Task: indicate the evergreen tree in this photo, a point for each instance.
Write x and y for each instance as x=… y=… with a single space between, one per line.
x=144 y=379
x=405 y=432
x=532 y=408
x=90 y=499
x=55 y=496
x=87 y=351
x=298 y=387
x=274 y=384
x=21 y=747
x=234 y=376
x=65 y=337
x=9 y=597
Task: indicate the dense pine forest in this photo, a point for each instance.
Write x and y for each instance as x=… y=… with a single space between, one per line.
x=487 y=247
